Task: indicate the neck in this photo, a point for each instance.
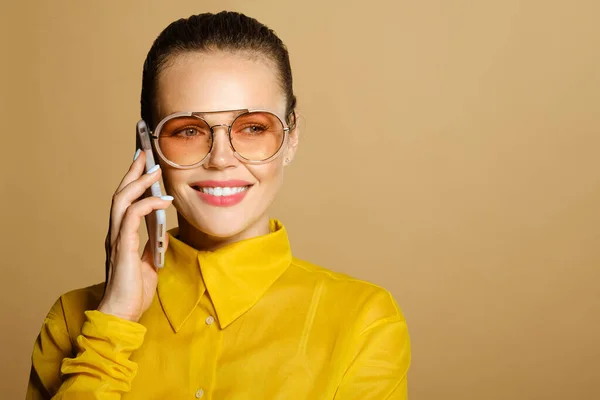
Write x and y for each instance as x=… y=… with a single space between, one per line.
x=199 y=240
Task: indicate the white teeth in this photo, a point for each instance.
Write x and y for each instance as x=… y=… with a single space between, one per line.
x=226 y=191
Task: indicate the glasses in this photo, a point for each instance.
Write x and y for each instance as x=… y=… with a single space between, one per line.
x=185 y=139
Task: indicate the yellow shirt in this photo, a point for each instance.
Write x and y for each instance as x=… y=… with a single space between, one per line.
x=247 y=321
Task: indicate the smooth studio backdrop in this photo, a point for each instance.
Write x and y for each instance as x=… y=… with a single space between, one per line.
x=450 y=152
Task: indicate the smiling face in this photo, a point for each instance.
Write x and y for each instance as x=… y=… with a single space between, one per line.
x=223 y=200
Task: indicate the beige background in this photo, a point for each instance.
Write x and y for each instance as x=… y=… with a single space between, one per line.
x=450 y=153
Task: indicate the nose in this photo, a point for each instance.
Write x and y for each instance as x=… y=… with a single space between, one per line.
x=221 y=156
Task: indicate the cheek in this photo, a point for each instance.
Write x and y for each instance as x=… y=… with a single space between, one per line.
x=270 y=174
x=172 y=178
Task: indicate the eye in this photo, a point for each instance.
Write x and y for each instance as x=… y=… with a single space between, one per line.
x=254 y=129
x=188 y=132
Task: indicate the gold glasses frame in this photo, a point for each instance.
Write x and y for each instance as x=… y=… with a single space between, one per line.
x=155 y=134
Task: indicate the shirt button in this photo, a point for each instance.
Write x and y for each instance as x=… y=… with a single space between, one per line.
x=209 y=320
x=199 y=393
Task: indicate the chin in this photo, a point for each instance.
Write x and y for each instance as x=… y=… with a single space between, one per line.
x=226 y=225
x=246 y=219
x=225 y=222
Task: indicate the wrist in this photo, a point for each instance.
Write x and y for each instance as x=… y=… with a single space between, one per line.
x=107 y=309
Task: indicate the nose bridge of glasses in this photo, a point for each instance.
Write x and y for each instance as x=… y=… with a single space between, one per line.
x=226 y=126
x=223 y=144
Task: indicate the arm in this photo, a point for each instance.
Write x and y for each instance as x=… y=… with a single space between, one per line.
x=381 y=360
x=51 y=346
x=100 y=368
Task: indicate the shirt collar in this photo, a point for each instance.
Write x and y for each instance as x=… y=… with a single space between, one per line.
x=236 y=276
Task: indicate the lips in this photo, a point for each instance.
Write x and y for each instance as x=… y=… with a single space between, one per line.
x=222 y=193
x=222 y=184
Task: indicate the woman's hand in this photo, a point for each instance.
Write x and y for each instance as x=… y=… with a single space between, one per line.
x=131 y=281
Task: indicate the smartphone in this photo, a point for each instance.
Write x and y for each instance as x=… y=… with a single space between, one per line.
x=156 y=221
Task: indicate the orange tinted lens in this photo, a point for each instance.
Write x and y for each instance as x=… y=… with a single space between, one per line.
x=185 y=140
x=257 y=136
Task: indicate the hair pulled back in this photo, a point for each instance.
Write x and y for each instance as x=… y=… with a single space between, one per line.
x=224 y=31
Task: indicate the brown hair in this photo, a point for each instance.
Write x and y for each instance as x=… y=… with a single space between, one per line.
x=228 y=31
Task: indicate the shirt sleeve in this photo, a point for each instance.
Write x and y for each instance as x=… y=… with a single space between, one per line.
x=95 y=366
x=379 y=367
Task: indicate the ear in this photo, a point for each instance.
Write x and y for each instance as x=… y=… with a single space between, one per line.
x=293 y=139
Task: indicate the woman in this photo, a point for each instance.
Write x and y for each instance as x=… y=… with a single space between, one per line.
x=232 y=315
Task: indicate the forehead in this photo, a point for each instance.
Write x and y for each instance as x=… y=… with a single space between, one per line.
x=215 y=81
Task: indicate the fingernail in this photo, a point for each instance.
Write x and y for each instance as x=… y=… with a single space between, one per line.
x=137 y=154
x=153 y=169
x=167 y=197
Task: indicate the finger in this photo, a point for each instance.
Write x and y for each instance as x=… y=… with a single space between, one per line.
x=128 y=238
x=126 y=197
x=136 y=169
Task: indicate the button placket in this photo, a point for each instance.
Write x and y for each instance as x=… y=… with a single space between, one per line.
x=206 y=342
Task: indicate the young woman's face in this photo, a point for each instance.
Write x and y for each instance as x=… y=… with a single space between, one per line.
x=218 y=81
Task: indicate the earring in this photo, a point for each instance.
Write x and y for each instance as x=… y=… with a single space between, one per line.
x=287 y=160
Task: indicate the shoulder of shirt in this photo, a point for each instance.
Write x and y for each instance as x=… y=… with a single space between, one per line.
x=69 y=310
x=361 y=294
x=87 y=298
